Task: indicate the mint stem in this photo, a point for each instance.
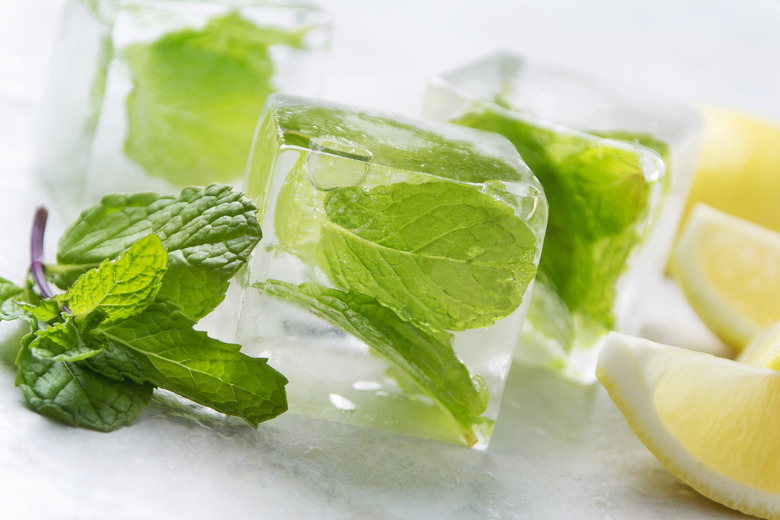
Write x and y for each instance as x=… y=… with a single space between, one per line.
x=36 y=252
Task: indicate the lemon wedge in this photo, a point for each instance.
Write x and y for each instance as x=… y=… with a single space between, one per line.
x=763 y=350
x=729 y=270
x=711 y=421
x=739 y=167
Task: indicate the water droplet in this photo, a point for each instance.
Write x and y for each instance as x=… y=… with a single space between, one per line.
x=342 y=403
x=366 y=385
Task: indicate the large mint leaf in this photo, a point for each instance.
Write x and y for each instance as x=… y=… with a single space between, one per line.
x=75 y=395
x=10 y=297
x=598 y=197
x=196 y=98
x=123 y=287
x=160 y=346
x=208 y=232
x=440 y=253
x=424 y=355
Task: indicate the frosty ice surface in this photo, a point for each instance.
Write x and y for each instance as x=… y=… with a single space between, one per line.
x=395 y=268
x=597 y=148
x=160 y=94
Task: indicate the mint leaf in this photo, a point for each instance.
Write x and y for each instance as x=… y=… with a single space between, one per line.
x=65 y=342
x=123 y=287
x=46 y=310
x=10 y=296
x=440 y=253
x=208 y=233
x=196 y=98
x=410 y=146
x=160 y=346
x=598 y=197
x=75 y=395
x=425 y=355
x=297 y=202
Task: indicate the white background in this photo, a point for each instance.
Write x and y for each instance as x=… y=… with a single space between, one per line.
x=559 y=450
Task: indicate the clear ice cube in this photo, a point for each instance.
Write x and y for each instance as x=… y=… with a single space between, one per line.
x=615 y=163
x=158 y=94
x=395 y=268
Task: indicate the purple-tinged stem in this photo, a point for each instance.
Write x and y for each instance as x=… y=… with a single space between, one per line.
x=36 y=252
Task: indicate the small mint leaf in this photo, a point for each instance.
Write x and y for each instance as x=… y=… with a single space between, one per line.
x=65 y=342
x=46 y=310
x=123 y=287
x=11 y=296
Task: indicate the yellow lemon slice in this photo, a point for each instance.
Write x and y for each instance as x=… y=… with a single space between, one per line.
x=763 y=350
x=712 y=422
x=739 y=167
x=729 y=270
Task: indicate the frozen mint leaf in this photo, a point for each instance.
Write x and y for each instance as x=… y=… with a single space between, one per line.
x=641 y=138
x=197 y=95
x=123 y=287
x=65 y=342
x=75 y=395
x=648 y=141
x=208 y=233
x=296 y=205
x=440 y=253
x=403 y=145
x=11 y=301
x=598 y=197
x=159 y=346
x=424 y=355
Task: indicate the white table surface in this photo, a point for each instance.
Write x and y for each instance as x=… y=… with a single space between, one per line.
x=560 y=450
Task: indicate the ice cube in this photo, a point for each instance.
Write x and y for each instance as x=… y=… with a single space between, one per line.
x=395 y=268
x=616 y=164
x=155 y=95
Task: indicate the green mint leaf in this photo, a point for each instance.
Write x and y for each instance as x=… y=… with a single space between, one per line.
x=641 y=138
x=424 y=355
x=11 y=295
x=75 y=395
x=403 y=145
x=439 y=253
x=598 y=198
x=196 y=98
x=208 y=233
x=298 y=200
x=160 y=346
x=46 y=310
x=123 y=287
x=65 y=342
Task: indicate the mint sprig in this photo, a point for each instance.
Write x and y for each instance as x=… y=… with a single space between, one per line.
x=138 y=271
